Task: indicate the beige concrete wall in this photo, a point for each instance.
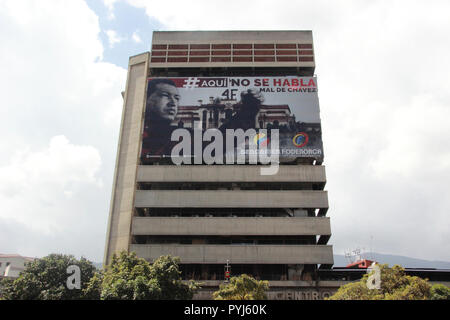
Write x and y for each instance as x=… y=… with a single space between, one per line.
x=267 y=254
x=281 y=290
x=11 y=265
x=182 y=37
x=231 y=199
x=228 y=226
x=286 y=284
x=229 y=173
x=232 y=37
x=121 y=208
x=303 y=293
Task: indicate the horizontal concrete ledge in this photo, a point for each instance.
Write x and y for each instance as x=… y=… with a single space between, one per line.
x=229 y=173
x=300 y=64
x=262 y=254
x=224 y=226
x=231 y=199
x=286 y=284
x=235 y=36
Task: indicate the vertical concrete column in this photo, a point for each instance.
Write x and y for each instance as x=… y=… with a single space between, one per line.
x=121 y=208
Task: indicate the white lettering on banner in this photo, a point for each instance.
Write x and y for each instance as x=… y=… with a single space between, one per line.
x=302 y=152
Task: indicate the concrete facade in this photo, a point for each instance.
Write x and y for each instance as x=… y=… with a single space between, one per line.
x=12 y=264
x=265 y=49
x=154 y=206
x=231 y=199
x=239 y=254
x=121 y=207
x=269 y=226
x=284 y=290
x=227 y=173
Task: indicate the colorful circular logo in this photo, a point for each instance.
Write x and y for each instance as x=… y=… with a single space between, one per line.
x=300 y=139
x=261 y=139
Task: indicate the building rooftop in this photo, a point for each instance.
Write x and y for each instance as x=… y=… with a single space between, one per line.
x=15 y=255
x=234 y=49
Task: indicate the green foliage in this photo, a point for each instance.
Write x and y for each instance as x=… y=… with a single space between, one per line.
x=167 y=276
x=243 y=287
x=46 y=279
x=128 y=277
x=395 y=285
x=440 y=292
x=93 y=288
x=351 y=291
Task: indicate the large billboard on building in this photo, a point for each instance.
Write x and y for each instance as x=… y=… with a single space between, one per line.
x=220 y=104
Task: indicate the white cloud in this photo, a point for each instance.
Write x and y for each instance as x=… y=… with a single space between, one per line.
x=420 y=128
x=136 y=38
x=244 y=15
x=45 y=200
x=113 y=38
x=109 y=4
x=59 y=122
x=42 y=178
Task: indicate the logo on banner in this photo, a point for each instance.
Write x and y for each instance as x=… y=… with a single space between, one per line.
x=300 y=139
x=261 y=140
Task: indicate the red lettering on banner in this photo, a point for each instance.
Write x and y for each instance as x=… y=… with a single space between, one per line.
x=258 y=82
x=289 y=82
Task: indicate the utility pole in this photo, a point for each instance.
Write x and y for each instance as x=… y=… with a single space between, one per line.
x=227 y=271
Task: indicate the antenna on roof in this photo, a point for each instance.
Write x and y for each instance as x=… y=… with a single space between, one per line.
x=354 y=255
x=371 y=249
x=357 y=254
x=348 y=256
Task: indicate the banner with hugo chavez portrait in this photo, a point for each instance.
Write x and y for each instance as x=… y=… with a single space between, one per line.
x=289 y=104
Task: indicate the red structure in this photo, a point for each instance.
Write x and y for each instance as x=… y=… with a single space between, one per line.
x=361 y=264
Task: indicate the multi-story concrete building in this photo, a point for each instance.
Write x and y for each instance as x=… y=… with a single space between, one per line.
x=273 y=227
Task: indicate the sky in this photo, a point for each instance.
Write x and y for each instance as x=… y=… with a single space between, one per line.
x=384 y=77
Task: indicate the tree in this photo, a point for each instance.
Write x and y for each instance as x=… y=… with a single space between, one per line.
x=93 y=288
x=440 y=292
x=128 y=277
x=167 y=276
x=243 y=287
x=46 y=279
x=394 y=285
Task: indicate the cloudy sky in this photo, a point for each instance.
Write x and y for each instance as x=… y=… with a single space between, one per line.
x=384 y=75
